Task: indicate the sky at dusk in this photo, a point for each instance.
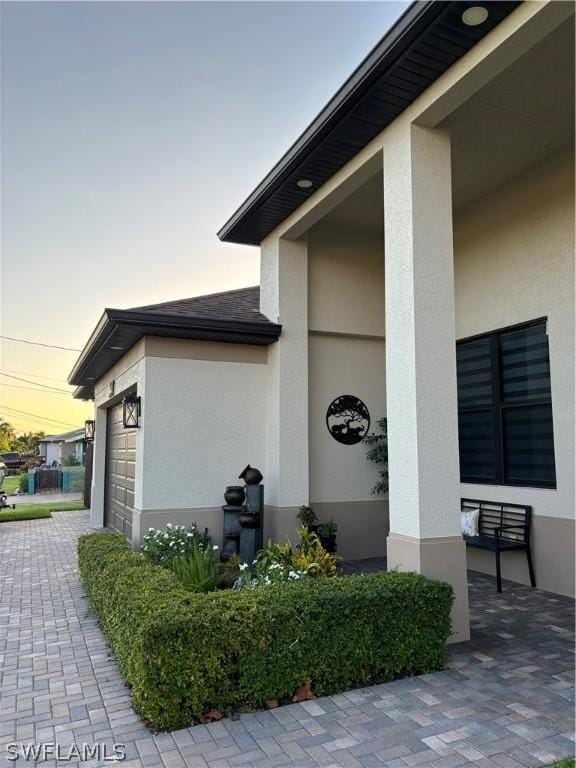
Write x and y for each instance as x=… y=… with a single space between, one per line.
x=130 y=132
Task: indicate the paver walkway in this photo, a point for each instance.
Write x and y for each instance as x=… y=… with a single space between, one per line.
x=505 y=700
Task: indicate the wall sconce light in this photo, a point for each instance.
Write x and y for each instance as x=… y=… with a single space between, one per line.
x=89 y=427
x=131 y=411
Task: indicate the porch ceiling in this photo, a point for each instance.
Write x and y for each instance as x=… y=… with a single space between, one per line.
x=426 y=41
x=516 y=122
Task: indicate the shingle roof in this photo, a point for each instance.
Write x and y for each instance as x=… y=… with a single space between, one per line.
x=65 y=437
x=239 y=304
x=230 y=316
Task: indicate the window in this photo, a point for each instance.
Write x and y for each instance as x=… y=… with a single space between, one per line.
x=505 y=408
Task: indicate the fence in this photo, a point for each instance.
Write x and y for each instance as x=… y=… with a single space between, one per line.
x=58 y=480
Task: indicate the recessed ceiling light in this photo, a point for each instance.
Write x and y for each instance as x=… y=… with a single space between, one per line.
x=116 y=348
x=304 y=183
x=475 y=15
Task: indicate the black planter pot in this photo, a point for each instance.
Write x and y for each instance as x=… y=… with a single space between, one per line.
x=235 y=495
x=312 y=529
x=251 y=475
x=249 y=519
x=328 y=542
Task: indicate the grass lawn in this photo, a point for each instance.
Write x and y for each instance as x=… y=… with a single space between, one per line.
x=568 y=762
x=10 y=484
x=37 y=511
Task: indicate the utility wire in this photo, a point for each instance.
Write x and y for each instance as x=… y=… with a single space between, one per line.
x=36 y=415
x=40 y=344
x=36 y=384
x=38 y=419
x=36 y=375
x=37 y=424
x=31 y=389
x=29 y=425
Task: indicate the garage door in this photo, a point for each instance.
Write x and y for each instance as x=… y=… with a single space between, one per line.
x=120 y=473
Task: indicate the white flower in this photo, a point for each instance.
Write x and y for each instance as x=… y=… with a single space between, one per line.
x=150 y=530
x=215 y=547
x=169 y=525
x=243 y=566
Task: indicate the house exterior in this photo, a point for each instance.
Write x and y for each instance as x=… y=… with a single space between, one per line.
x=57 y=448
x=417 y=254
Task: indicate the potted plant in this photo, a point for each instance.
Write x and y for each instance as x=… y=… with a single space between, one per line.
x=327 y=535
x=307 y=518
x=378 y=453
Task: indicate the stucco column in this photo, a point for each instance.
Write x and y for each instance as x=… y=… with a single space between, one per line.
x=284 y=299
x=421 y=363
x=98 y=469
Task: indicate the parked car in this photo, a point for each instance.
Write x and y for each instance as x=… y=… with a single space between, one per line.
x=14 y=460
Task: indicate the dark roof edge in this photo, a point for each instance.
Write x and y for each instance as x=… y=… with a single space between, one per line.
x=101 y=332
x=83 y=392
x=342 y=101
x=243 y=331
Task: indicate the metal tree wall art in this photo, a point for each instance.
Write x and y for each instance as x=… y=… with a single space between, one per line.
x=347 y=419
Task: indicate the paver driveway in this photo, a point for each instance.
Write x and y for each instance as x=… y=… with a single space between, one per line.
x=505 y=700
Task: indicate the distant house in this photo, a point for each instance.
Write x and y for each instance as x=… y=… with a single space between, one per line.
x=56 y=448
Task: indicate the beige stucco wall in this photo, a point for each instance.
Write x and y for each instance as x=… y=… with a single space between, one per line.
x=205 y=421
x=198 y=429
x=345 y=281
x=514 y=262
x=346 y=356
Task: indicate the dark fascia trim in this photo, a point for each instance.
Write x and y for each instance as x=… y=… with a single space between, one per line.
x=420 y=12
x=84 y=392
x=143 y=323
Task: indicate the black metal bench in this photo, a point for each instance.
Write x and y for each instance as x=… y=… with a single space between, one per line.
x=501 y=528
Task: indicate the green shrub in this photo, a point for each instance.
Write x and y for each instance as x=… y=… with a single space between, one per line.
x=70 y=461
x=184 y=654
x=23 y=482
x=197 y=570
x=281 y=562
x=378 y=454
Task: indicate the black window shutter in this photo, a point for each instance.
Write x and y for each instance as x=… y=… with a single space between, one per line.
x=505 y=408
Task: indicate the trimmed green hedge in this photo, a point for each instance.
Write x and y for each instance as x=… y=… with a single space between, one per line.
x=185 y=654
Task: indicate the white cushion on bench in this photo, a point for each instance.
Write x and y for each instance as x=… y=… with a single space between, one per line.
x=469 y=522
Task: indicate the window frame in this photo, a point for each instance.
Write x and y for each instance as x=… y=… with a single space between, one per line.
x=498 y=406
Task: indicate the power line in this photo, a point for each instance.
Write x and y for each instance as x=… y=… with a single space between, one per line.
x=35 y=424
x=36 y=375
x=36 y=415
x=36 y=384
x=40 y=344
x=27 y=424
x=31 y=389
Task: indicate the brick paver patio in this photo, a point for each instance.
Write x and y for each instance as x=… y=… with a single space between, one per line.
x=505 y=700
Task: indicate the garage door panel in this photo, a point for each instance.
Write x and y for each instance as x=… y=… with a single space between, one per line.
x=120 y=473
